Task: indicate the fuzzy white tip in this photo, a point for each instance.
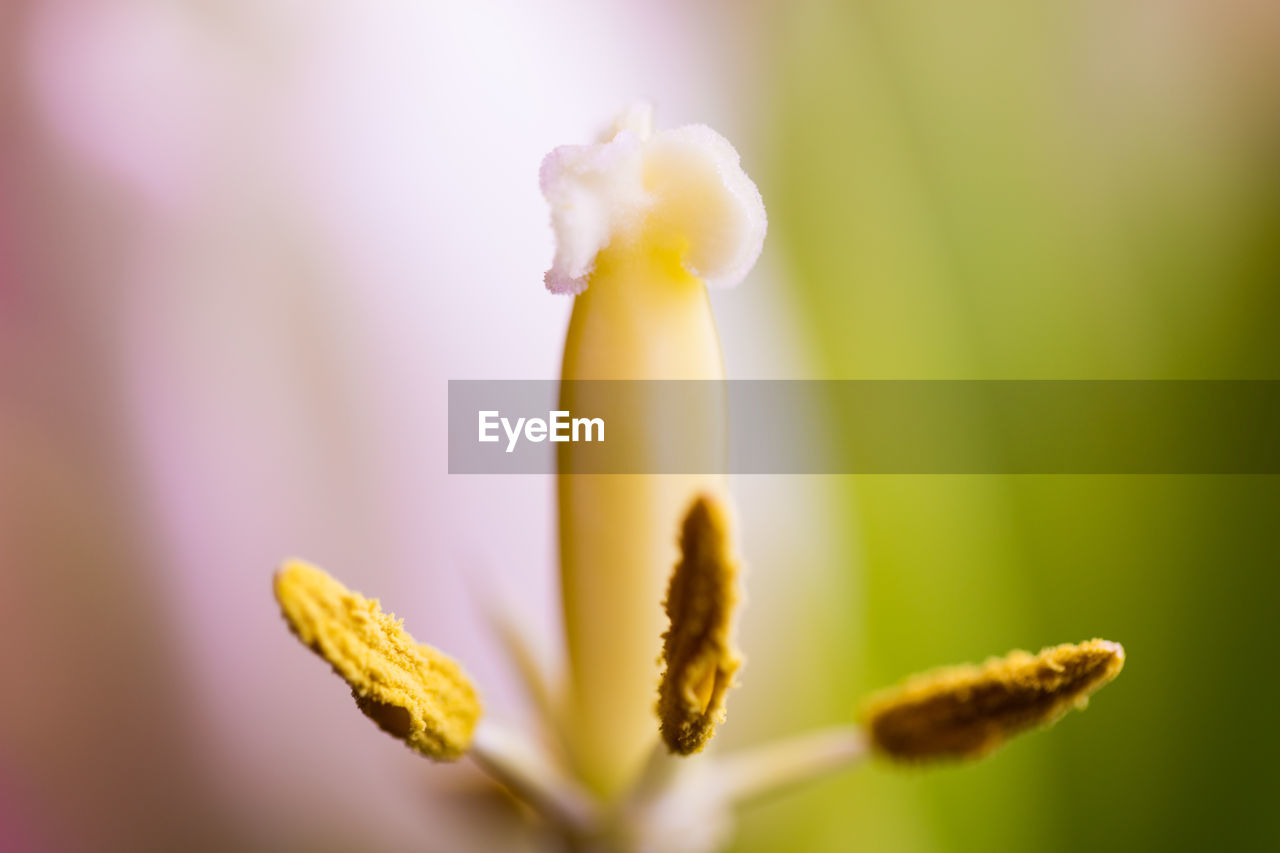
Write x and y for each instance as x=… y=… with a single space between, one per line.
x=684 y=185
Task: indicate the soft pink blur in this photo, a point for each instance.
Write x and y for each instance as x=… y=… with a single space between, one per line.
x=243 y=246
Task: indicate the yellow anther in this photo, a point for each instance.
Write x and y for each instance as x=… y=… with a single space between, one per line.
x=698 y=648
x=967 y=711
x=409 y=689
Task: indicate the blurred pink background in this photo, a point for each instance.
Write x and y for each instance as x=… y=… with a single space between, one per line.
x=242 y=248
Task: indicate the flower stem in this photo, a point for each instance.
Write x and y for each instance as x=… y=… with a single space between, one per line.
x=518 y=765
x=769 y=769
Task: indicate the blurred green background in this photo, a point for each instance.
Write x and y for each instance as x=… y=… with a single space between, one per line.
x=1050 y=190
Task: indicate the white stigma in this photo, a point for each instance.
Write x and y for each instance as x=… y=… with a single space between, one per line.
x=680 y=187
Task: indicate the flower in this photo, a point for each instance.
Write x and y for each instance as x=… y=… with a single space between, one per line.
x=643 y=223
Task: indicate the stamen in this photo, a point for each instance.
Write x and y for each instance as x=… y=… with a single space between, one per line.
x=409 y=689
x=698 y=649
x=525 y=770
x=967 y=711
x=766 y=770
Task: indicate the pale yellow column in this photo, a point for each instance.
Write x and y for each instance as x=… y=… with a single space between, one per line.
x=641 y=317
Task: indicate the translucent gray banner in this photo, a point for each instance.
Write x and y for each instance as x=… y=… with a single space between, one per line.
x=865 y=427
